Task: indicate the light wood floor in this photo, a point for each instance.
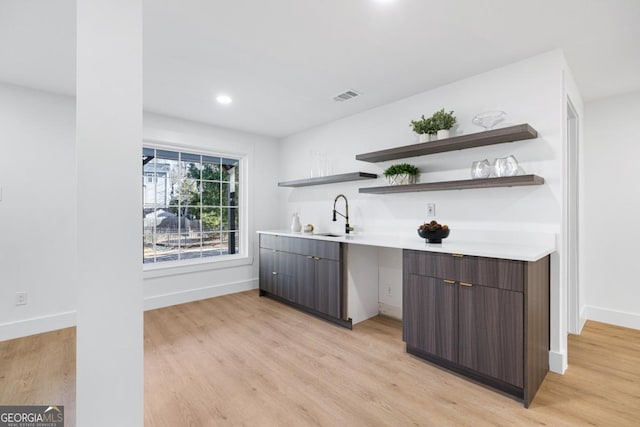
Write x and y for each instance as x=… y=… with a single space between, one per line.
x=245 y=360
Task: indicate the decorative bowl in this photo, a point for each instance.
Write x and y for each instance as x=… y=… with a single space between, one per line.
x=434 y=236
x=489 y=119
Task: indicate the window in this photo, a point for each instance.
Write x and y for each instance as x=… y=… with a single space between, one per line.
x=191 y=205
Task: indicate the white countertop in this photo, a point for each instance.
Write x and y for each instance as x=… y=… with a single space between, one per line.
x=521 y=252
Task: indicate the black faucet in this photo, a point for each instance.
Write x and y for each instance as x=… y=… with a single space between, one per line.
x=347 y=228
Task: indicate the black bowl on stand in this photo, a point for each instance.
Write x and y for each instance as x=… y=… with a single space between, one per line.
x=435 y=236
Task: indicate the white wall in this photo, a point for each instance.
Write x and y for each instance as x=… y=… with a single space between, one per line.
x=612 y=210
x=189 y=284
x=530 y=91
x=37 y=211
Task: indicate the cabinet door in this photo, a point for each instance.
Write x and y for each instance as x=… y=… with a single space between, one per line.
x=327 y=286
x=491 y=332
x=305 y=278
x=267 y=270
x=285 y=285
x=430 y=316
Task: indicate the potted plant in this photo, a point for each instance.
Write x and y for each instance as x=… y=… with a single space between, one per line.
x=401 y=174
x=443 y=121
x=424 y=128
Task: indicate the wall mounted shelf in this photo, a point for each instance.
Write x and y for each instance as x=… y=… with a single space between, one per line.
x=330 y=179
x=508 y=181
x=461 y=142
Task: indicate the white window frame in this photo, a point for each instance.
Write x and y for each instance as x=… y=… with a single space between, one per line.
x=245 y=256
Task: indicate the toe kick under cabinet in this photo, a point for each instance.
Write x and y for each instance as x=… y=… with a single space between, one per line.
x=306 y=274
x=485 y=318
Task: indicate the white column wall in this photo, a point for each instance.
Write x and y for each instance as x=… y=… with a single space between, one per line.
x=109 y=354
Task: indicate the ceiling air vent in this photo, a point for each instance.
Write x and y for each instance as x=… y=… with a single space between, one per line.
x=346 y=95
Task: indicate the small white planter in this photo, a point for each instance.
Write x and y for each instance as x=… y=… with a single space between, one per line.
x=424 y=137
x=443 y=133
x=402 y=179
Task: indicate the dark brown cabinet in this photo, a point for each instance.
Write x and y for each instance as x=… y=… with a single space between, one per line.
x=306 y=273
x=431 y=323
x=491 y=332
x=483 y=317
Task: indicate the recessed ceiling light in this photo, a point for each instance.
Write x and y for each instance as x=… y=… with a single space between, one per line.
x=224 y=99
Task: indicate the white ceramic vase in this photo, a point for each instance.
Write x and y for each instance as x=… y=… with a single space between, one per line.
x=424 y=137
x=296 y=226
x=443 y=133
x=401 y=179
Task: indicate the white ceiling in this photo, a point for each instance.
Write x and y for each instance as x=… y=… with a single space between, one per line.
x=282 y=61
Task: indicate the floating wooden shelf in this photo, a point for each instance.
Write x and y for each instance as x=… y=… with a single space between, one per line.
x=490 y=137
x=508 y=181
x=331 y=179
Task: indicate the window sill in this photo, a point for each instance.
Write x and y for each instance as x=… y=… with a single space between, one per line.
x=174 y=268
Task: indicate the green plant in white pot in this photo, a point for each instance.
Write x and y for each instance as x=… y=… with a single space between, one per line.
x=424 y=128
x=401 y=174
x=443 y=121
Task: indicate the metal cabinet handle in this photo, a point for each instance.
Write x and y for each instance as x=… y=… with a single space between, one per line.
x=316 y=257
x=309 y=257
x=466 y=284
x=274 y=273
x=450 y=282
x=458 y=255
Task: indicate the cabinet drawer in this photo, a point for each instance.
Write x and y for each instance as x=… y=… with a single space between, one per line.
x=270 y=241
x=302 y=246
x=490 y=272
x=442 y=266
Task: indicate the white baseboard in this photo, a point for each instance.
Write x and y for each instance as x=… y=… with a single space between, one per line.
x=390 y=310
x=37 y=325
x=190 y=295
x=583 y=318
x=613 y=317
x=557 y=362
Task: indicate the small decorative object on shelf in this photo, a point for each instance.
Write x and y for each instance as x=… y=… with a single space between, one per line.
x=424 y=128
x=489 y=119
x=308 y=228
x=433 y=232
x=443 y=121
x=401 y=174
x=296 y=226
x=481 y=169
x=507 y=166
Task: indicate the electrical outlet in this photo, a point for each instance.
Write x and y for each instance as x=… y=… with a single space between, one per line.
x=21 y=298
x=388 y=289
x=431 y=210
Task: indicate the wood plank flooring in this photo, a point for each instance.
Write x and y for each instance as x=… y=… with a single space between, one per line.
x=244 y=360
